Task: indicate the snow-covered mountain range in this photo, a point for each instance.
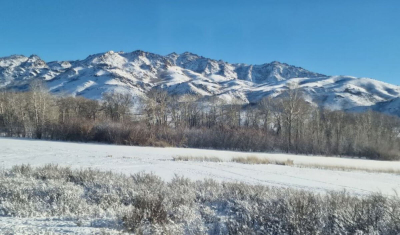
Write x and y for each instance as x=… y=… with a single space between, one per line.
x=187 y=73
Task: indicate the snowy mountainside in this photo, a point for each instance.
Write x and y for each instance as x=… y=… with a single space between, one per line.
x=137 y=72
x=391 y=107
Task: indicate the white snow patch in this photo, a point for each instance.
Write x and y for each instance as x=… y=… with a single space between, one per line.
x=131 y=159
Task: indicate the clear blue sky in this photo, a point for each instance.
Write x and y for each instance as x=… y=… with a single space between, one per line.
x=341 y=37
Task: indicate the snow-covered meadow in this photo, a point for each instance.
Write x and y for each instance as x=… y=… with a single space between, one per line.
x=132 y=159
x=55 y=200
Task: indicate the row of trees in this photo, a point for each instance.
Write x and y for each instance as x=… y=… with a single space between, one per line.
x=287 y=123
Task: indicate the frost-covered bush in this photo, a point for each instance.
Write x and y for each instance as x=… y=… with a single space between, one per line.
x=145 y=204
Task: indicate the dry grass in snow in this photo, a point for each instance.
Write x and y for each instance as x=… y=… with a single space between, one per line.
x=254 y=160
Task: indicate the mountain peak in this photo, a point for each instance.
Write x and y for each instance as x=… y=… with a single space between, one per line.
x=188 y=73
x=190 y=54
x=12 y=57
x=276 y=62
x=11 y=61
x=34 y=56
x=109 y=53
x=138 y=52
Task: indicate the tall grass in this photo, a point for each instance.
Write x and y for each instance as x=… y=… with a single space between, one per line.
x=197 y=159
x=254 y=160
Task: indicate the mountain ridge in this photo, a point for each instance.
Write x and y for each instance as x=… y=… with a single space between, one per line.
x=187 y=73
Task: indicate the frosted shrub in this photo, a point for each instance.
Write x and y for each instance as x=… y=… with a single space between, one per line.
x=145 y=204
x=28 y=197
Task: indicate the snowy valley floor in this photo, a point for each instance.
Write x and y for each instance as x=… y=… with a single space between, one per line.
x=131 y=159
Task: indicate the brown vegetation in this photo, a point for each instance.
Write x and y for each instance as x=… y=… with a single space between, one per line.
x=197 y=159
x=287 y=123
x=251 y=160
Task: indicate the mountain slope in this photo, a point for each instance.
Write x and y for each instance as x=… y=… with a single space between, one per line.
x=187 y=73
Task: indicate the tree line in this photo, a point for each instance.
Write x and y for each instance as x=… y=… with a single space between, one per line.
x=284 y=124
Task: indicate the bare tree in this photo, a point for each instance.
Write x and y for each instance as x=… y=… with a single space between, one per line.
x=156 y=107
x=291 y=110
x=116 y=105
x=40 y=104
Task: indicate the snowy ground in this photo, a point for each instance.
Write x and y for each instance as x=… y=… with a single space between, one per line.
x=50 y=226
x=130 y=159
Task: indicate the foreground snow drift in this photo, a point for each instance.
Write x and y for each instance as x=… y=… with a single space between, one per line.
x=130 y=160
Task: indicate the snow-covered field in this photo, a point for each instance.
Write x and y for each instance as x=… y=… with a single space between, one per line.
x=131 y=159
